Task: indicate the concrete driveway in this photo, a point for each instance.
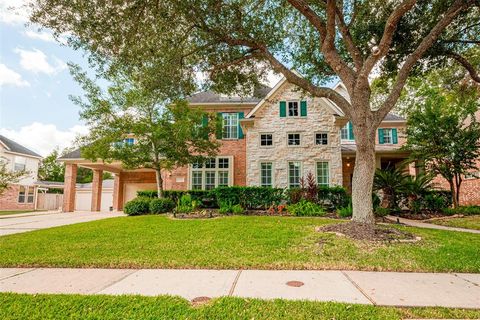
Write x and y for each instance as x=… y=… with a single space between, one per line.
x=35 y=221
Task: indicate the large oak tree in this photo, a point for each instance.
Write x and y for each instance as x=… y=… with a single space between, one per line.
x=235 y=42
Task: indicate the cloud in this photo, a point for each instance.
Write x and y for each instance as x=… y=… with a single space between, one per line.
x=36 y=61
x=42 y=35
x=43 y=138
x=10 y=77
x=14 y=11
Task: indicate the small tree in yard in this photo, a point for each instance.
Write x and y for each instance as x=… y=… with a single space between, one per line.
x=444 y=134
x=165 y=135
x=8 y=176
x=236 y=42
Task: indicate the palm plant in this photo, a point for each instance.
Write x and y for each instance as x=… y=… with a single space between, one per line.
x=391 y=182
x=416 y=187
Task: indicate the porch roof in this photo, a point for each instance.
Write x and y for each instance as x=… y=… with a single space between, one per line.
x=388 y=148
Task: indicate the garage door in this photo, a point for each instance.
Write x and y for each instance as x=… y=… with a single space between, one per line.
x=83 y=200
x=132 y=188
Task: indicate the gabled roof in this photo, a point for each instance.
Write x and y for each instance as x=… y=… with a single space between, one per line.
x=15 y=147
x=211 y=97
x=75 y=154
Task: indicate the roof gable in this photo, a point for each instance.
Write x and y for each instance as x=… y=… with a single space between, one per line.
x=15 y=147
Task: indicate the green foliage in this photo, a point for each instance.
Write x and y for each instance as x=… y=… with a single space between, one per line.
x=186 y=204
x=8 y=177
x=161 y=205
x=249 y=197
x=382 y=212
x=391 y=182
x=137 y=206
x=203 y=197
x=227 y=207
x=465 y=210
x=50 y=169
x=345 y=212
x=333 y=198
x=305 y=208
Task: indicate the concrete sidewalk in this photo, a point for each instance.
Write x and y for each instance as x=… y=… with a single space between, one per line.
x=420 y=224
x=34 y=221
x=379 y=288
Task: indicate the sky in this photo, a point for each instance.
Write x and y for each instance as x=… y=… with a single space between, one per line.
x=35 y=84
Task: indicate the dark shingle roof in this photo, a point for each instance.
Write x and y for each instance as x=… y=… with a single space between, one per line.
x=213 y=97
x=75 y=154
x=393 y=117
x=17 y=148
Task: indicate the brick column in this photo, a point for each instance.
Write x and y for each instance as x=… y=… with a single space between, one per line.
x=118 y=192
x=69 y=187
x=97 y=190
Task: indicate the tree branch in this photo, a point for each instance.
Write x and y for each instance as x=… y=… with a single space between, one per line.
x=456 y=8
x=349 y=43
x=466 y=64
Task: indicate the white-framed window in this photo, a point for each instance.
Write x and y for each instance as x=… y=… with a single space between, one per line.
x=293 y=108
x=387 y=135
x=294 y=174
x=266 y=139
x=321 y=138
x=30 y=194
x=22 y=194
x=230 y=126
x=20 y=163
x=346 y=132
x=323 y=173
x=266 y=174
x=212 y=173
x=129 y=141
x=293 y=139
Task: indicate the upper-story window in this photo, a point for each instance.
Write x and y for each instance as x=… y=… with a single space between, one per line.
x=293 y=139
x=387 y=136
x=346 y=133
x=266 y=139
x=321 y=138
x=293 y=109
x=20 y=163
x=230 y=126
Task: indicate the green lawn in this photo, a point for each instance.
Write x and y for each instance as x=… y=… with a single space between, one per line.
x=232 y=242
x=470 y=222
x=3 y=213
x=16 y=306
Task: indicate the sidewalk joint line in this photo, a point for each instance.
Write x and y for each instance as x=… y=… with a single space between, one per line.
x=230 y=293
x=128 y=273
x=469 y=281
x=359 y=289
x=18 y=274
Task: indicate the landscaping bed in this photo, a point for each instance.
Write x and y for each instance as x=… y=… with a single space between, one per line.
x=359 y=231
x=42 y=306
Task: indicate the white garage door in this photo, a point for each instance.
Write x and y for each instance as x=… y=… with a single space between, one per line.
x=132 y=188
x=83 y=200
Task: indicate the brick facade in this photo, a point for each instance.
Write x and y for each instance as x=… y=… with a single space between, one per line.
x=9 y=199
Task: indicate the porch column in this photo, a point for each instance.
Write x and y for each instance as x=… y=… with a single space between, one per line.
x=118 y=192
x=69 y=187
x=97 y=190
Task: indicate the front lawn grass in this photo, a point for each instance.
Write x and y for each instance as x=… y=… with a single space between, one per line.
x=470 y=222
x=21 y=306
x=233 y=243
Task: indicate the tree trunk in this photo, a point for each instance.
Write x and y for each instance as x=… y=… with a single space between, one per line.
x=458 y=183
x=363 y=173
x=454 y=195
x=158 y=174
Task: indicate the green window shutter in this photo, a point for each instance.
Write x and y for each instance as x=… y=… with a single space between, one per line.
x=219 y=133
x=283 y=109
x=350 y=131
x=303 y=108
x=380 y=136
x=205 y=124
x=394 y=136
x=241 y=115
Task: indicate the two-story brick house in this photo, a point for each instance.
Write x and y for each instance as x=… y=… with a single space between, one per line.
x=22 y=194
x=272 y=139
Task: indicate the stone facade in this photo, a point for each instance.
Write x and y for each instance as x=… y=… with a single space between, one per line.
x=320 y=118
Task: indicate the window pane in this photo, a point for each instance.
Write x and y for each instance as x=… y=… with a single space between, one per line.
x=294 y=174
x=223 y=178
x=266 y=174
x=387 y=135
x=21 y=194
x=230 y=125
x=210 y=163
x=321 y=138
x=196 y=180
x=293 y=139
x=197 y=165
x=31 y=194
x=223 y=163
x=293 y=109
x=323 y=175
x=266 y=140
x=344 y=133
x=209 y=180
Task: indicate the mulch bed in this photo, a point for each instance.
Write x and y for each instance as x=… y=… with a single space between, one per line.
x=359 y=231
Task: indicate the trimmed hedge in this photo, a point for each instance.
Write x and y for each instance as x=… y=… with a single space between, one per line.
x=202 y=197
x=137 y=206
x=249 y=197
x=161 y=205
x=333 y=198
x=465 y=210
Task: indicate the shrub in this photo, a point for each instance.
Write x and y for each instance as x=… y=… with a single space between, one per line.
x=345 y=212
x=309 y=187
x=382 y=212
x=137 y=206
x=227 y=207
x=204 y=198
x=248 y=197
x=186 y=204
x=161 y=205
x=465 y=210
x=305 y=208
x=294 y=195
x=333 y=198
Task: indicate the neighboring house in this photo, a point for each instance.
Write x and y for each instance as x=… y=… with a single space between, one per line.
x=23 y=194
x=272 y=139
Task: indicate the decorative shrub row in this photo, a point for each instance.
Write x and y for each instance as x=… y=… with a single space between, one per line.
x=248 y=197
x=465 y=210
x=144 y=205
x=430 y=201
x=202 y=197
